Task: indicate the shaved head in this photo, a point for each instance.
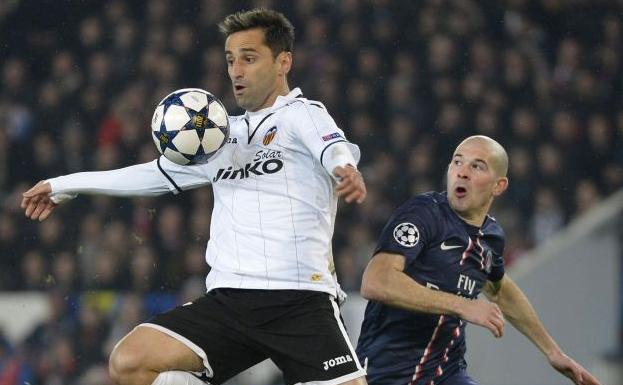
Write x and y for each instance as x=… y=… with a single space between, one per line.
x=476 y=175
x=498 y=157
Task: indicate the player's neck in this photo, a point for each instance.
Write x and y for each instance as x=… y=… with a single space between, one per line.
x=475 y=217
x=282 y=89
x=473 y=220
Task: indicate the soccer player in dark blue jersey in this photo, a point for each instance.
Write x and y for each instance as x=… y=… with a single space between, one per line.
x=435 y=255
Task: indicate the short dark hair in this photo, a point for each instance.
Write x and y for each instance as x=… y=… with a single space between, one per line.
x=278 y=31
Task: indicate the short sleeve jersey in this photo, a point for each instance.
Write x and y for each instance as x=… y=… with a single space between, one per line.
x=444 y=253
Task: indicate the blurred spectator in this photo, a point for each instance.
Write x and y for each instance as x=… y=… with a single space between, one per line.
x=58 y=362
x=91 y=334
x=64 y=273
x=521 y=172
x=587 y=195
x=127 y=313
x=34 y=271
x=143 y=270
x=14 y=368
x=10 y=250
x=548 y=216
x=525 y=127
x=351 y=266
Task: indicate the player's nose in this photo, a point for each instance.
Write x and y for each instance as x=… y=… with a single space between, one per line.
x=235 y=70
x=463 y=172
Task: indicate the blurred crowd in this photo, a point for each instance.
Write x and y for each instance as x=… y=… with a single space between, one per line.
x=405 y=80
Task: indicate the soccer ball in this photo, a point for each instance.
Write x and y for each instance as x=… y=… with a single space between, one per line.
x=189 y=126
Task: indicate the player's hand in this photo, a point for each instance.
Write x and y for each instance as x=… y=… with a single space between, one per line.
x=568 y=367
x=484 y=313
x=37 y=202
x=351 y=185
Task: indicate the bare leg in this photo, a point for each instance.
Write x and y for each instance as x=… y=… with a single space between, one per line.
x=146 y=352
x=356 y=381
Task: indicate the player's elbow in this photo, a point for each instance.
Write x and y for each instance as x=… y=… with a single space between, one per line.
x=372 y=287
x=370 y=292
x=378 y=279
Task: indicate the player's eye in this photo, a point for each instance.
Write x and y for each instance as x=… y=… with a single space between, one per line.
x=229 y=61
x=250 y=59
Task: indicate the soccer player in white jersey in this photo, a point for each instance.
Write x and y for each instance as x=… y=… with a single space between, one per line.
x=271 y=291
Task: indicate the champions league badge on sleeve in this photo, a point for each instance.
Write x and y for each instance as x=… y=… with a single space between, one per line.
x=406 y=234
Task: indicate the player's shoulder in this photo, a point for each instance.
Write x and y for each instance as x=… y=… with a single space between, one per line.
x=300 y=101
x=422 y=212
x=302 y=107
x=309 y=116
x=493 y=227
x=424 y=208
x=430 y=201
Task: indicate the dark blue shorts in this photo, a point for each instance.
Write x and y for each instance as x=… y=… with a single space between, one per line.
x=459 y=378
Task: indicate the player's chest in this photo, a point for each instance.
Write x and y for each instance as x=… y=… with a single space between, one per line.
x=258 y=153
x=260 y=131
x=459 y=263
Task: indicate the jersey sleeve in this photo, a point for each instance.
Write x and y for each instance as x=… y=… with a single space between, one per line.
x=497 y=261
x=410 y=229
x=318 y=132
x=146 y=179
x=179 y=178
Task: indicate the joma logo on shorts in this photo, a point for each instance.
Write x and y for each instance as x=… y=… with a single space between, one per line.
x=337 y=361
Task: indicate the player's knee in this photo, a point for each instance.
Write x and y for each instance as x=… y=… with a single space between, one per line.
x=124 y=364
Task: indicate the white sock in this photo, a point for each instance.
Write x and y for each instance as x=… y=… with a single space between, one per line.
x=176 y=377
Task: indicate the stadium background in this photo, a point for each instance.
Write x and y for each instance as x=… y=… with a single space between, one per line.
x=405 y=80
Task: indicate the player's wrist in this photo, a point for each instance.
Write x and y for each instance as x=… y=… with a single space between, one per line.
x=459 y=307
x=53 y=183
x=553 y=353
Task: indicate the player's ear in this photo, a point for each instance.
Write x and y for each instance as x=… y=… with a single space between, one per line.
x=500 y=186
x=284 y=59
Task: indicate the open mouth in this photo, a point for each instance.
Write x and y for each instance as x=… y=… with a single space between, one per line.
x=460 y=192
x=239 y=88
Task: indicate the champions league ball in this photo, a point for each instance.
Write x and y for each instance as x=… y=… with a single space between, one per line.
x=189 y=126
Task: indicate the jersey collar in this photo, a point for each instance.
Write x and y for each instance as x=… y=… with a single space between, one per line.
x=263 y=114
x=281 y=101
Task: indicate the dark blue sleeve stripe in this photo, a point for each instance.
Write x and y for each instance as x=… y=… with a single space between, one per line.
x=325 y=149
x=168 y=177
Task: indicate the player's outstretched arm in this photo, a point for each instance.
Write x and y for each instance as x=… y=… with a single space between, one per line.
x=518 y=310
x=351 y=185
x=384 y=281
x=147 y=179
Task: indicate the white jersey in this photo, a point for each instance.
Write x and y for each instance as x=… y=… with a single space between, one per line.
x=274 y=200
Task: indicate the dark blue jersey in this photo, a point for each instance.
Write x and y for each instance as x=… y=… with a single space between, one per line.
x=443 y=253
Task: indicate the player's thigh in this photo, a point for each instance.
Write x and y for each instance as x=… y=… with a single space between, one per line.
x=146 y=348
x=309 y=343
x=211 y=327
